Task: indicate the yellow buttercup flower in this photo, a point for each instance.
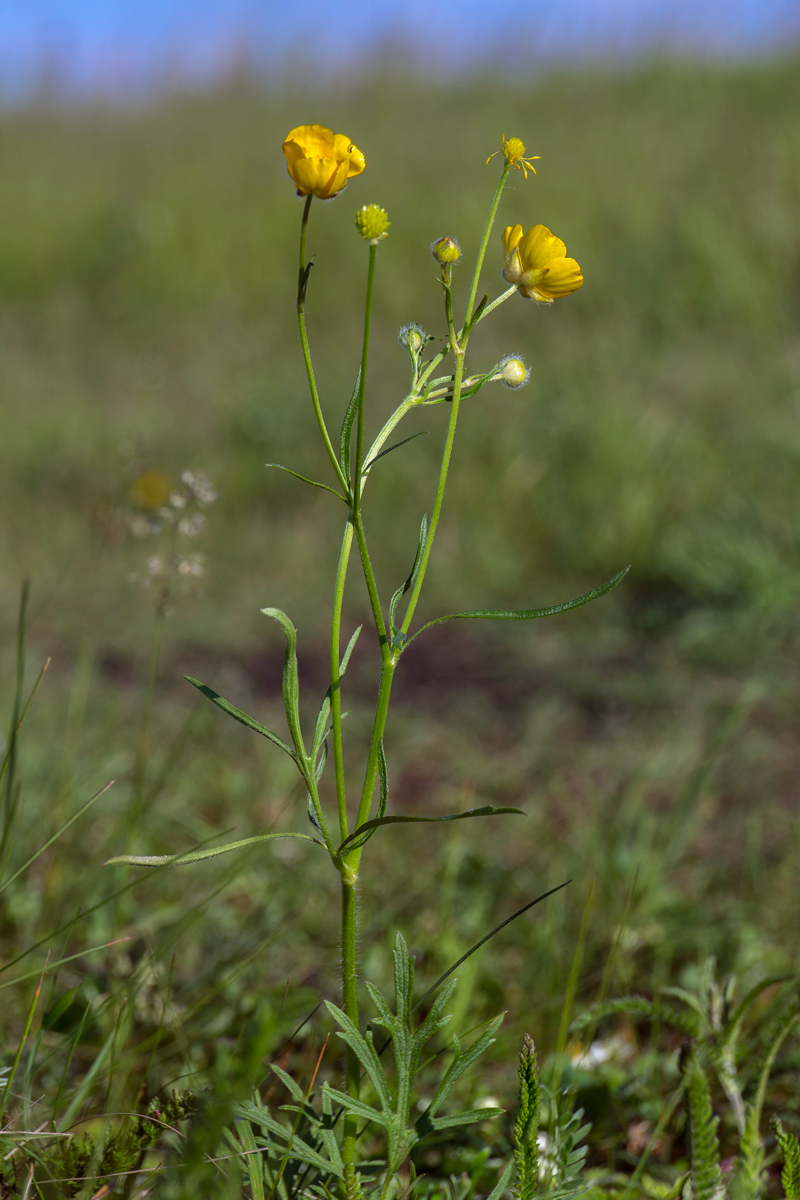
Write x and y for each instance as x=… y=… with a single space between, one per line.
x=319 y=161
x=513 y=151
x=150 y=490
x=537 y=263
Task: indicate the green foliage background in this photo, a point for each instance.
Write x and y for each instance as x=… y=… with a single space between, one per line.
x=147 y=268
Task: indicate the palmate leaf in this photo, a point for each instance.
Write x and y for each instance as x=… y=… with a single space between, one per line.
x=526 y=614
x=193 y=856
x=488 y=810
x=240 y=716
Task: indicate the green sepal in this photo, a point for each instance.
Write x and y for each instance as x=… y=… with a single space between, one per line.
x=409 y=583
x=239 y=716
x=488 y=810
x=347 y=429
x=528 y=614
x=180 y=860
x=304 y=479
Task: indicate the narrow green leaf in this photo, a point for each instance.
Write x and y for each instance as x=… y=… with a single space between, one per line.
x=239 y=716
x=347 y=428
x=476 y=316
x=291 y=684
x=365 y=1050
x=305 y=479
x=181 y=860
x=488 y=810
x=401 y=591
x=500 y=1188
x=527 y=614
x=389 y=449
x=467 y=1117
x=325 y=707
x=358 y=1107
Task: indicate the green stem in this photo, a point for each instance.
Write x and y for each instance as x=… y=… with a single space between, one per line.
x=362 y=385
x=451 y=428
x=501 y=183
x=350 y=1005
x=301 y=321
x=496 y=304
x=336 y=691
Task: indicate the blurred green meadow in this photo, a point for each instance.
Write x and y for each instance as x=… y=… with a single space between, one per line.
x=147 y=276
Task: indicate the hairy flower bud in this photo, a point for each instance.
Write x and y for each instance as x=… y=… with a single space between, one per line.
x=413 y=337
x=514 y=372
x=372 y=222
x=446 y=250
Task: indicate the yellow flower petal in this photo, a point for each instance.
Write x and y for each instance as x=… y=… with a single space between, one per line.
x=539 y=247
x=319 y=161
x=563 y=276
x=512 y=236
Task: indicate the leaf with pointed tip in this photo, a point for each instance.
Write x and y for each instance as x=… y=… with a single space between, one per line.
x=401 y=591
x=467 y=1117
x=325 y=707
x=488 y=810
x=291 y=685
x=527 y=614
x=384 y=796
x=347 y=428
x=389 y=449
x=358 y=1107
x=181 y=860
x=239 y=716
x=305 y=479
x=500 y=1188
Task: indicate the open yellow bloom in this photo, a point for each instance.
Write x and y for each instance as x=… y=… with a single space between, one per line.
x=538 y=265
x=319 y=161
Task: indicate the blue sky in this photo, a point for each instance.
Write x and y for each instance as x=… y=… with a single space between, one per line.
x=128 y=45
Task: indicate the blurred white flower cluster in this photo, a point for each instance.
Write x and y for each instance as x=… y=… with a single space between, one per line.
x=173 y=515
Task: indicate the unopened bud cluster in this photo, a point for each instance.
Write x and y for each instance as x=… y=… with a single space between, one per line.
x=372 y=222
x=413 y=337
x=446 y=251
x=514 y=372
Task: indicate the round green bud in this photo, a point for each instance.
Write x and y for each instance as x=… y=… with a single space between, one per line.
x=514 y=371
x=413 y=337
x=445 y=251
x=372 y=223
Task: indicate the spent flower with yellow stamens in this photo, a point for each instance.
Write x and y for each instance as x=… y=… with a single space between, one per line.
x=319 y=161
x=537 y=263
x=513 y=151
x=372 y=222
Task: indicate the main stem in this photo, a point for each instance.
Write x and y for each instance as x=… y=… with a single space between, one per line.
x=349 y=877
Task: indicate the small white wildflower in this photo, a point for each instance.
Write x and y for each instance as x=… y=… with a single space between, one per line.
x=155 y=565
x=140 y=527
x=192 y=526
x=200 y=486
x=178 y=500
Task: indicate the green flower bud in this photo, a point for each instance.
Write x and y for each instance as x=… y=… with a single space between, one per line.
x=514 y=372
x=445 y=251
x=413 y=337
x=372 y=223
